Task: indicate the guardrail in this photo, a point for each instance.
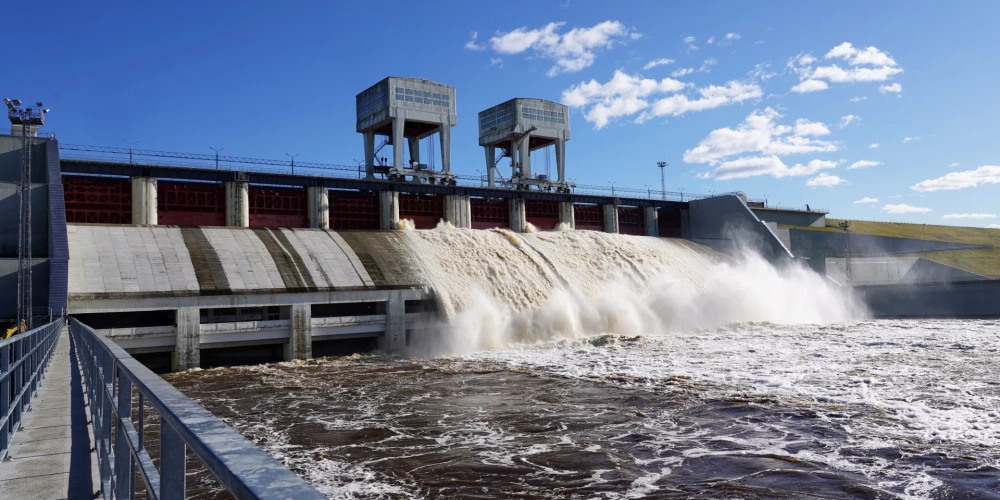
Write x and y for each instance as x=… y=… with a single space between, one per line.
x=113 y=380
x=23 y=359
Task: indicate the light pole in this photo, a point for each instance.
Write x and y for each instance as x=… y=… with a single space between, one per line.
x=216 y=155
x=293 y=161
x=649 y=192
x=612 y=189
x=359 y=166
x=130 y=150
x=663 y=181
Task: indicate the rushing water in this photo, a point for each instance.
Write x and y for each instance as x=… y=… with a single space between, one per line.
x=585 y=365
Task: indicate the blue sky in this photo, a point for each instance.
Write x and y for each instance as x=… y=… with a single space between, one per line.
x=262 y=79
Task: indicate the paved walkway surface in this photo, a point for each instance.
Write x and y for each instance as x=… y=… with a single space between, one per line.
x=51 y=457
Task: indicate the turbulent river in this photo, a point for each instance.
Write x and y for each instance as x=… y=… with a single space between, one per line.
x=598 y=366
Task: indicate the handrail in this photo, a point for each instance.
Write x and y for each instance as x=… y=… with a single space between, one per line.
x=244 y=470
x=25 y=356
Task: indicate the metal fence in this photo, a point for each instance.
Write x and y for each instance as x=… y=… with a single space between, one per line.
x=113 y=380
x=23 y=359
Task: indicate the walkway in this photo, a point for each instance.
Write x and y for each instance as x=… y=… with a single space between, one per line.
x=50 y=457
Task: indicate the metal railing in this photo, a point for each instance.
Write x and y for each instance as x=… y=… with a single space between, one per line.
x=23 y=359
x=113 y=378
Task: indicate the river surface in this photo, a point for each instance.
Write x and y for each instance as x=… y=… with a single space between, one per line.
x=863 y=409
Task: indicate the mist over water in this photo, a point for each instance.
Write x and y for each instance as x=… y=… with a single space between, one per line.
x=497 y=288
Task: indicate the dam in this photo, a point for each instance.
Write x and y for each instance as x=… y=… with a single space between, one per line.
x=520 y=332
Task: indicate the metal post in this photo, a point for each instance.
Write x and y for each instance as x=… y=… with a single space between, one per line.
x=216 y=155
x=130 y=150
x=663 y=181
x=293 y=162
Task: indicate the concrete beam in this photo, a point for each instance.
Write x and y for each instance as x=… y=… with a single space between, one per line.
x=187 y=349
x=458 y=211
x=652 y=224
x=388 y=202
x=144 y=200
x=610 y=218
x=517 y=216
x=299 y=344
x=566 y=214
x=238 y=204
x=318 y=201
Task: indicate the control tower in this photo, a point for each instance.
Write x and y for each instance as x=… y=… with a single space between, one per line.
x=518 y=127
x=404 y=111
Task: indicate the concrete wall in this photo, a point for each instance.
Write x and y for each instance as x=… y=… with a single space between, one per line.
x=891 y=270
x=726 y=224
x=8 y=286
x=967 y=299
x=790 y=217
x=10 y=217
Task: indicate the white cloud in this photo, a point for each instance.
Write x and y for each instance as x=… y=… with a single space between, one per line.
x=753 y=166
x=903 y=208
x=994 y=226
x=707 y=64
x=954 y=165
x=761 y=73
x=863 y=65
x=864 y=164
x=710 y=97
x=677 y=73
x=910 y=139
x=847 y=120
x=825 y=180
x=873 y=145
x=658 y=62
x=623 y=95
x=970 y=216
x=496 y=61
x=865 y=200
x=894 y=88
x=572 y=51
x=810 y=86
x=732 y=36
x=472 y=45
x=759 y=134
x=689 y=39
x=858 y=99
x=986 y=174
x=711 y=40
x=805 y=128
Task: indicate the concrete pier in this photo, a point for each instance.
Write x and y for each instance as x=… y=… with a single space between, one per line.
x=652 y=223
x=299 y=344
x=458 y=210
x=187 y=349
x=388 y=202
x=238 y=204
x=610 y=218
x=144 y=200
x=318 y=201
x=50 y=457
x=566 y=214
x=395 y=328
x=517 y=215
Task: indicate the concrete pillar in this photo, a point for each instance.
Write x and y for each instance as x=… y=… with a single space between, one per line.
x=561 y=159
x=398 y=126
x=458 y=210
x=517 y=216
x=525 y=156
x=388 y=202
x=445 y=134
x=144 y=200
x=566 y=214
x=299 y=344
x=187 y=349
x=414 y=144
x=685 y=224
x=238 y=204
x=652 y=223
x=610 y=218
x=318 y=201
x=395 y=323
x=369 y=154
x=491 y=166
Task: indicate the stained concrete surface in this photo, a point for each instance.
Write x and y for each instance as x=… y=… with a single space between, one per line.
x=51 y=457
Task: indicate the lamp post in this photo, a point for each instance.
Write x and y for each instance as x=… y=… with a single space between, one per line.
x=216 y=155
x=612 y=189
x=130 y=144
x=663 y=181
x=292 y=156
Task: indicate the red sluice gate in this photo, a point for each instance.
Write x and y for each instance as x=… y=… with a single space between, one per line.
x=353 y=211
x=631 y=220
x=544 y=215
x=97 y=200
x=278 y=207
x=190 y=204
x=588 y=217
x=424 y=210
x=488 y=214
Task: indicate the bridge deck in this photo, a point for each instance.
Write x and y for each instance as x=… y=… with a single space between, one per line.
x=50 y=456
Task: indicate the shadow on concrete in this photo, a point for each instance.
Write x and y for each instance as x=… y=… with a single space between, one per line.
x=81 y=483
